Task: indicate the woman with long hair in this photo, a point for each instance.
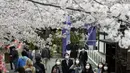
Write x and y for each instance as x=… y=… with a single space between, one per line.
x=76 y=67
x=88 y=69
x=57 y=67
x=100 y=68
x=29 y=66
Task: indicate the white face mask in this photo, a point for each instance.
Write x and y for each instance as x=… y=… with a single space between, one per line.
x=105 y=68
x=67 y=57
x=83 y=49
x=58 y=63
x=87 y=67
x=77 y=61
x=100 y=66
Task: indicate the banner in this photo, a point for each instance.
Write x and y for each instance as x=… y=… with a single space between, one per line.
x=63 y=41
x=91 y=40
x=66 y=33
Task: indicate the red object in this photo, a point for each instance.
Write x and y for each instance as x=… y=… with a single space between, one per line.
x=20 y=44
x=15 y=41
x=8 y=46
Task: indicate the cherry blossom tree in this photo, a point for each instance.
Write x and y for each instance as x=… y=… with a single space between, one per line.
x=20 y=18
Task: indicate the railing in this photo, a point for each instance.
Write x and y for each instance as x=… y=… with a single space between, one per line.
x=95 y=57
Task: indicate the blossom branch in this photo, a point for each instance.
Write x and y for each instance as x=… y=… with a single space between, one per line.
x=127 y=23
x=98 y=2
x=39 y=11
x=56 y=6
x=79 y=5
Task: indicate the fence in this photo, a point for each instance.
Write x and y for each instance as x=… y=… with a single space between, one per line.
x=95 y=57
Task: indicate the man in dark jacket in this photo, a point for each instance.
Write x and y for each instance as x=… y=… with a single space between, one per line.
x=45 y=54
x=15 y=57
x=11 y=58
x=66 y=64
x=74 y=51
x=83 y=57
x=38 y=65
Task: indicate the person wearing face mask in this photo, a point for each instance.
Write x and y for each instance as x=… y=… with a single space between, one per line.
x=88 y=69
x=57 y=67
x=66 y=64
x=83 y=57
x=105 y=68
x=76 y=66
x=100 y=68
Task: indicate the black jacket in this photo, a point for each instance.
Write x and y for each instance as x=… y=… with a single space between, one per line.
x=83 y=56
x=41 y=66
x=45 y=53
x=65 y=67
x=74 y=51
x=15 y=54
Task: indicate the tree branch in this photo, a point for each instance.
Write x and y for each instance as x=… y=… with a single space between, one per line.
x=79 y=5
x=39 y=11
x=56 y=6
x=127 y=23
x=98 y=2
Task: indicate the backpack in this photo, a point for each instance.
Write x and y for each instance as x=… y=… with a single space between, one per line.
x=21 y=62
x=38 y=69
x=28 y=70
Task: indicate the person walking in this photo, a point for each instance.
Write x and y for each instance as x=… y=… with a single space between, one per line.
x=66 y=64
x=76 y=67
x=10 y=56
x=25 y=51
x=83 y=57
x=74 y=51
x=15 y=57
x=57 y=67
x=22 y=60
x=88 y=69
x=38 y=65
x=29 y=68
x=45 y=54
x=100 y=68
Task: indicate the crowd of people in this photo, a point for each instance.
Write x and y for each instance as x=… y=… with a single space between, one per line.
x=28 y=61
x=69 y=65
